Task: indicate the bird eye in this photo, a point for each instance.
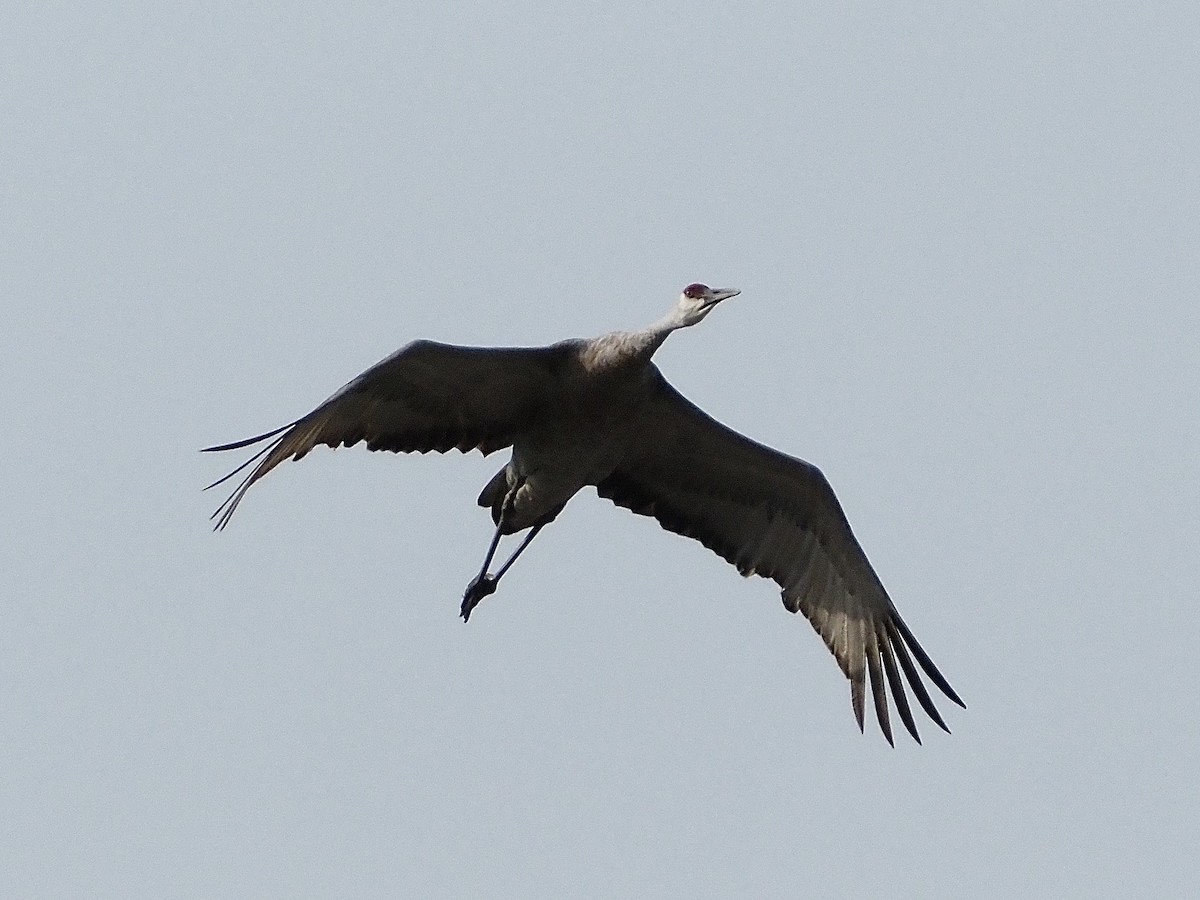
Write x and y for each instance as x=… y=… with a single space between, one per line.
x=695 y=291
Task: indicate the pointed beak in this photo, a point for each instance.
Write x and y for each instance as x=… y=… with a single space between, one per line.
x=719 y=294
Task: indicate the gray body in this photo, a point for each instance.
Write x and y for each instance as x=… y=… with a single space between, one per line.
x=594 y=411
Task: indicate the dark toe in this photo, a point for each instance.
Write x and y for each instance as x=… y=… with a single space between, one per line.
x=475 y=592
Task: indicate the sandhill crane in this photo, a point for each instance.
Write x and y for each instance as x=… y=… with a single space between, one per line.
x=599 y=412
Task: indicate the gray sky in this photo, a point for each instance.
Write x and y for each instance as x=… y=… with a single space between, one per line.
x=967 y=239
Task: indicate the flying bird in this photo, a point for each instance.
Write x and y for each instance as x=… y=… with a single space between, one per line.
x=599 y=412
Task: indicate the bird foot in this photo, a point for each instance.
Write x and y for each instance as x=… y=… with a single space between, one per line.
x=476 y=591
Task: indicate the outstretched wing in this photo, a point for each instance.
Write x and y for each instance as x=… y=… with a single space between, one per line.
x=776 y=516
x=426 y=396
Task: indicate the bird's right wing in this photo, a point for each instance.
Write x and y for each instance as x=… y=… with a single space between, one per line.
x=426 y=396
x=776 y=516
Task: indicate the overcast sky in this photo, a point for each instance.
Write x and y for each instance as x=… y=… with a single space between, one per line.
x=966 y=237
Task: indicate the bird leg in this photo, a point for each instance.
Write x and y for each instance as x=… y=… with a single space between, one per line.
x=485 y=584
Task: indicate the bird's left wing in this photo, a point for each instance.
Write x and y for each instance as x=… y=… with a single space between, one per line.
x=426 y=396
x=776 y=516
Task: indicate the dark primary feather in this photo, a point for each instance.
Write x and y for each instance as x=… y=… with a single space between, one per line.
x=426 y=396
x=776 y=516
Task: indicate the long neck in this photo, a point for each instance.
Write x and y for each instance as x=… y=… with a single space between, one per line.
x=658 y=332
x=650 y=339
x=623 y=348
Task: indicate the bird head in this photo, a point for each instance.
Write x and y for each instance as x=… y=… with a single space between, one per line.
x=698 y=300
